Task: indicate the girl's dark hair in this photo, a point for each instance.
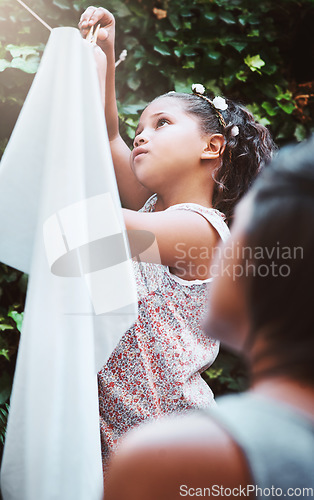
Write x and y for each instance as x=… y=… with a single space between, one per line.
x=244 y=154
x=280 y=298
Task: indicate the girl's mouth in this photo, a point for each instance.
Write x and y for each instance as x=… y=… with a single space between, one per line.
x=139 y=151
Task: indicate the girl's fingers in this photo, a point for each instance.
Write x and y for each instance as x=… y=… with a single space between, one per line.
x=102 y=34
x=87 y=20
x=103 y=16
x=92 y=16
x=85 y=17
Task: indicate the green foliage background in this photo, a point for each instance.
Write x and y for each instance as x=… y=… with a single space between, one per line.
x=244 y=49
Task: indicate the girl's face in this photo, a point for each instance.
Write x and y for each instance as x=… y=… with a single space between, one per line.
x=168 y=144
x=227 y=318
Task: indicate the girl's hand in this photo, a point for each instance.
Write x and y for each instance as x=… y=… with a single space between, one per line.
x=133 y=194
x=106 y=34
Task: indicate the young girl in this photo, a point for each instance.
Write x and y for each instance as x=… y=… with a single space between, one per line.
x=193 y=159
x=258 y=444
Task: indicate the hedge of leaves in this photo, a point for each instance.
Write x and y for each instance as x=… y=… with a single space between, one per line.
x=244 y=49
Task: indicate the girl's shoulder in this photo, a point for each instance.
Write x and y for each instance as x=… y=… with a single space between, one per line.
x=212 y=215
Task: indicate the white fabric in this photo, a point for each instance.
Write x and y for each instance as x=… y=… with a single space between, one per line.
x=62 y=223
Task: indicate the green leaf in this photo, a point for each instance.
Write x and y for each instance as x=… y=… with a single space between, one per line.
x=239 y=46
x=5 y=387
x=253 y=19
x=189 y=65
x=189 y=51
x=242 y=20
x=4 y=327
x=131 y=42
x=174 y=19
x=22 y=51
x=184 y=87
x=241 y=75
x=186 y=13
x=212 y=87
x=254 y=62
x=282 y=94
x=214 y=372
x=227 y=80
x=178 y=51
x=18 y=318
x=270 y=108
x=4 y=64
x=133 y=109
x=286 y=130
x=25 y=57
x=163 y=37
x=215 y=56
x=5 y=353
x=131 y=132
x=300 y=132
x=133 y=83
x=270 y=68
x=162 y=49
x=253 y=33
x=23 y=282
x=139 y=65
x=3 y=421
x=264 y=121
x=139 y=53
x=210 y=16
x=227 y=18
x=287 y=107
x=132 y=123
x=29 y=66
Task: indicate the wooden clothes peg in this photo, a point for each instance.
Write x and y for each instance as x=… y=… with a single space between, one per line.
x=93 y=35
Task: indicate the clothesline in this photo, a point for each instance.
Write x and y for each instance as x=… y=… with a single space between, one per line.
x=35 y=15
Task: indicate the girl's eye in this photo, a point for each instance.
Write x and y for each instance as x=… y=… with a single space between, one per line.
x=162 y=122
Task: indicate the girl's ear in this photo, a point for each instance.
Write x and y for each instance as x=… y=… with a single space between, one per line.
x=214 y=147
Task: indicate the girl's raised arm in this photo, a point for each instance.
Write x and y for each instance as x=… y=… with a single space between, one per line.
x=132 y=194
x=185 y=240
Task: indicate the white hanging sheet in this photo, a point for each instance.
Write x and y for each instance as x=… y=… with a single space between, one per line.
x=61 y=222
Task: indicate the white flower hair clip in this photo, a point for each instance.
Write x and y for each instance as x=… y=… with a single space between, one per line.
x=220 y=103
x=235 y=131
x=198 y=88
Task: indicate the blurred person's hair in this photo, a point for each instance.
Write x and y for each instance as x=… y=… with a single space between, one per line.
x=283 y=222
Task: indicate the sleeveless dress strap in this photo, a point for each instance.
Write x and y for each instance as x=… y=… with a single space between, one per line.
x=213 y=216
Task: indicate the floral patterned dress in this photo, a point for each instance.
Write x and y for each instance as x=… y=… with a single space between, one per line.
x=155 y=368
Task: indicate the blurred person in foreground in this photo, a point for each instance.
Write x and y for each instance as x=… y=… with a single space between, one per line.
x=260 y=443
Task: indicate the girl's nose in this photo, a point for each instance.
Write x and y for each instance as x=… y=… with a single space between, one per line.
x=139 y=140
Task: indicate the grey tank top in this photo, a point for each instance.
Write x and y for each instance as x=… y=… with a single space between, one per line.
x=277 y=442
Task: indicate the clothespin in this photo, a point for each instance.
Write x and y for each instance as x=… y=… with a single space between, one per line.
x=92 y=35
x=92 y=38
